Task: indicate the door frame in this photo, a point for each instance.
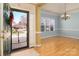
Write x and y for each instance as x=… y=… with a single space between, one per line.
x=24 y=11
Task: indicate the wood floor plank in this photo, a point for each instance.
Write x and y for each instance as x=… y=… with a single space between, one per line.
x=59 y=46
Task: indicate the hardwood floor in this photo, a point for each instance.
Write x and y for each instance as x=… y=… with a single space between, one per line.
x=25 y=52
x=59 y=46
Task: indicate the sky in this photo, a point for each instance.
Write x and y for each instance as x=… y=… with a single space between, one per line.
x=17 y=16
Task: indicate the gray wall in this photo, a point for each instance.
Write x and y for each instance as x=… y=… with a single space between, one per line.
x=70 y=27
x=53 y=16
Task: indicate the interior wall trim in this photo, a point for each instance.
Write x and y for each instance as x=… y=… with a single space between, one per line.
x=38 y=32
x=48 y=36
x=74 y=37
x=69 y=30
x=1 y=48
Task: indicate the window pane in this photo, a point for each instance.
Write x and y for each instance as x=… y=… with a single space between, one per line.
x=42 y=24
x=52 y=24
x=47 y=24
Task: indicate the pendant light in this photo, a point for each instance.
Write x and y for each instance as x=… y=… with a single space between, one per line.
x=65 y=16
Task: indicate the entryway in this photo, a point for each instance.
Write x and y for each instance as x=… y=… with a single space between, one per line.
x=21 y=33
x=20 y=29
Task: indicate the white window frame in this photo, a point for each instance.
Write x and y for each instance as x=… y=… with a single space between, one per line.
x=46 y=19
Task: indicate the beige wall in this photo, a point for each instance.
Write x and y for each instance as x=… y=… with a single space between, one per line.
x=38 y=27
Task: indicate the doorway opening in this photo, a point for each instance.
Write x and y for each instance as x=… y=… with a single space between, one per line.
x=20 y=29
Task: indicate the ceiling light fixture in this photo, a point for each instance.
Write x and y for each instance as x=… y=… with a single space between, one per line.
x=65 y=16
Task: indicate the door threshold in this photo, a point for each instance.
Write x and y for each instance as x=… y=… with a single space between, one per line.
x=19 y=49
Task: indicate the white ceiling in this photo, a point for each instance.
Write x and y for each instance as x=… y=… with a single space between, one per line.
x=60 y=7
x=52 y=7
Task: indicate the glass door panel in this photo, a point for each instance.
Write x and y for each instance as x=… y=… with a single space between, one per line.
x=19 y=30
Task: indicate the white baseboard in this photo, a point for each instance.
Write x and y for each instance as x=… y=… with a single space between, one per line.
x=38 y=46
x=70 y=36
x=63 y=36
x=49 y=36
x=35 y=46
